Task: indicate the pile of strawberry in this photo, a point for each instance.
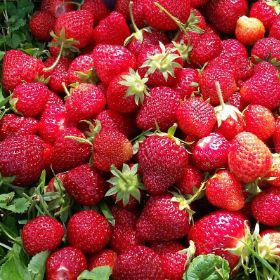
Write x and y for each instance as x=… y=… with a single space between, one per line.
x=145 y=146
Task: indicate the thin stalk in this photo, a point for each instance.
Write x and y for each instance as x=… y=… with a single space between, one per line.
x=5 y=246
x=132 y=17
x=220 y=95
x=57 y=59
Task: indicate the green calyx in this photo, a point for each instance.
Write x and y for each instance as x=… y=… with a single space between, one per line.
x=125 y=184
x=184 y=50
x=135 y=86
x=88 y=77
x=275 y=4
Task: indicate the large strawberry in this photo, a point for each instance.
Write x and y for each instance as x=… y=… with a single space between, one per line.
x=97 y=7
x=266 y=49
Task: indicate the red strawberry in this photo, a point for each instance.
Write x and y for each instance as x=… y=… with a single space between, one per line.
x=211 y=152
x=162 y=219
x=275 y=29
x=159 y=108
x=217 y=232
x=196 y=117
x=48 y=154
x=274 y=172
x=138 y=263
x=18 y=67
x=218 y=11
x=198 y=3
x=113 y=30
x=236 y=101
x=88 y=231
x=56 y=7
x=266 y=49
x=85 y=185
x=11 y=125
x=276 y=136
x=231 y=47
x=106 y=257
x=66 y=263
x=29 y=99
x=245 y=147
x=42 y=233
x=124 y=217
x=162 y=161
x=265 y=207
x=111 y=61
x=97 y=8
x=41 y=24
x=22 y=157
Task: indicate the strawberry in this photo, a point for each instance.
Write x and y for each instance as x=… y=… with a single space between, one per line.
x=88 y=231
x=22 y=157
x=198 y=3
x=113 y=30
x=41 y=24
x=77 y=25
x=232 y=47
x=236 y=101
x=42 y=233
x=159 y=20
x=85 y=102
x=218 y=11
x=196 y=117
x=274 y=172
x=29 y=99
x=106 y=257
x=108 y=64
x=245 y=147
x=97 y=8
x=211 y=152
x=18 y=67
x=85 y=185
x=276 y=136
x=224 y=191
x=159 y=108
x=249 y=30
x=162 y=219
x=218 y=232
x=66 y=263
x=265 y=207
x=11 y=125
x=138 y=263
x=47 y=157
x=124 y=217
x=259 y=121
x=162 y=161
x=274 y=31
x=56 y=7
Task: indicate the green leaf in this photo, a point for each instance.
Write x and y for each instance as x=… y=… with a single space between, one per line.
x=18 y=205
x=107 y=213
x=37 y=265
x=98 y=273
x=208 y=267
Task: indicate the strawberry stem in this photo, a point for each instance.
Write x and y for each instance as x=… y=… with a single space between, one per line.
x=132 y=17
x=57 y=59
x=220 y=95
x=66 y=89
x=113 y=167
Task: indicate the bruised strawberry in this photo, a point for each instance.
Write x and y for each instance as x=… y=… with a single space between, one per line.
x=106 y=257
x=97 y=8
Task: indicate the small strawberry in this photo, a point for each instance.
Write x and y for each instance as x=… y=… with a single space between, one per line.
x=97 y=7
x=276 y=136
x=274 y=31
x=88 y=231
x=42 y=233
x=106 y=257
x=66 y=263
x=56 y=7
x=245 y=147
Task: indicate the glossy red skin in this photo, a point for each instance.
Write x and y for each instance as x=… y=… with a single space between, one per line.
x=160 y=106
x=48 y=154
x=112 y=30
x=218 y=231
x=124 y=217
x=111 y=61
x=236 y=100
x=106 y=257
x=162 y=162
x=97 y=8
x=276 y=136
x=88 y=231
x=56 y=7
x=196 y=117
x=275 y=29
x=198 y=3
x=18 y=67
x=162 y=220
x=77 y=25
x=66 y=263
x=265 y=207
x=139 y=263
x=245 y=147
x=22 y=157
x=11 y=125
x=231 y=47
x=211 y=152
x=42 y=233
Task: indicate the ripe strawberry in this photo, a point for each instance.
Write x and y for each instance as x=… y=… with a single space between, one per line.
x=236 y=101
x=259 y=121
x=266 y=49
x=69 y=153
x=56 y=7
x=265 y=207
x=47 y=157
x=22 y=157
x=274 y=172
x=18 y=67
x=88 y=231
x=110 y=61
x=249 y=30
x=232 y=47
x=42 y=233
x=106 y=257
x=245 y=147
x=211 y=152
x=124 y=217
x=29 y=99
x=97 y=8
x=113 y=30
x=85 y=185
x=196 y=117
x=217 y=232
x=66 y=263
x=218 y=11
x=162 y=161
x=78 y=25
x=198 y=3
x=11 y=125
x=263 y=88
x=139 y=262
x=159 y=108
x=274 y=31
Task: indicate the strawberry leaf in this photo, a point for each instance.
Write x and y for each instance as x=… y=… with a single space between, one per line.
x=98 y=273
x=36 y=265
